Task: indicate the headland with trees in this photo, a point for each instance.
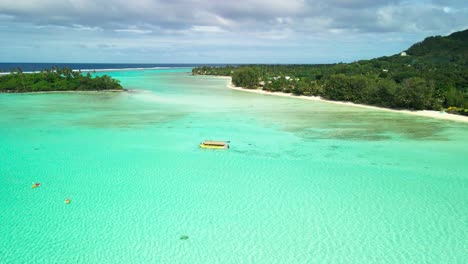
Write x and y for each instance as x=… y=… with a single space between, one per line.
x=430 y=75
x=56 y=79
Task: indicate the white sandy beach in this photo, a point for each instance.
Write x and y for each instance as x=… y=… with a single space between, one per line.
x=424 y=113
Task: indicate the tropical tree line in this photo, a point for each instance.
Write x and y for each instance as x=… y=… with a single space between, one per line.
x=56 y=79
x=431 y=75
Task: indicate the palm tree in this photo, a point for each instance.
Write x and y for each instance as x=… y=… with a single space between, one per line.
x=21 y=76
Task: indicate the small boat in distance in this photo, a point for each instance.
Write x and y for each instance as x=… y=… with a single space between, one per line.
x=211 y=144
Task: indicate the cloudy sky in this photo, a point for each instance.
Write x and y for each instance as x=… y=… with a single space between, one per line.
x=217 y=31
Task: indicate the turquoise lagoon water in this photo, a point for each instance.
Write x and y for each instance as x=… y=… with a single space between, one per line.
x=303 y=182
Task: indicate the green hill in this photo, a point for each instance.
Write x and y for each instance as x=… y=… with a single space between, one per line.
x=452 y=46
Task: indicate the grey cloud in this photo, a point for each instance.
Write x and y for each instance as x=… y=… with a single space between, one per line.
x=352 y=4
x=160 y=17
x=222 y=31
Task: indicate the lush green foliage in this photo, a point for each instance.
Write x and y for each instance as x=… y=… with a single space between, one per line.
x=245 y=77
x=434 y=74
x=56 y=80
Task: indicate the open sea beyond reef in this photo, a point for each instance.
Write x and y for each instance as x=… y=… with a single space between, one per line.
x=303 y=181
x=6 y=67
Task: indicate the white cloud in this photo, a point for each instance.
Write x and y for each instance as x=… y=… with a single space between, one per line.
x=207 y=29
x=81 y=27
x=133 y=30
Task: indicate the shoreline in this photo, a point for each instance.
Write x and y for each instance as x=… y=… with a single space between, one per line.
x=422 y=113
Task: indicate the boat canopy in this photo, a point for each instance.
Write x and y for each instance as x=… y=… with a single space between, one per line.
x=214 y=143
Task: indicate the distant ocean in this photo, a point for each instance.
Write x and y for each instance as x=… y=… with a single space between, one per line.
x=27 y=67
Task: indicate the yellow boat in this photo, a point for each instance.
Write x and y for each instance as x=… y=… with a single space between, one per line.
x=210 y=144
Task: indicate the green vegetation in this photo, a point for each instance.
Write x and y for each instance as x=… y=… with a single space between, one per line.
x=56 y=80
x=432 y=75
x=245 y=77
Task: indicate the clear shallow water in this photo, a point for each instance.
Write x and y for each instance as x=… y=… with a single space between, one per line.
x=303 y=182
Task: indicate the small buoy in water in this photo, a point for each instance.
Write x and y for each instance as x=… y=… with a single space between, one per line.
x=183 y=237
x=67 y=201
x=35 y=184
